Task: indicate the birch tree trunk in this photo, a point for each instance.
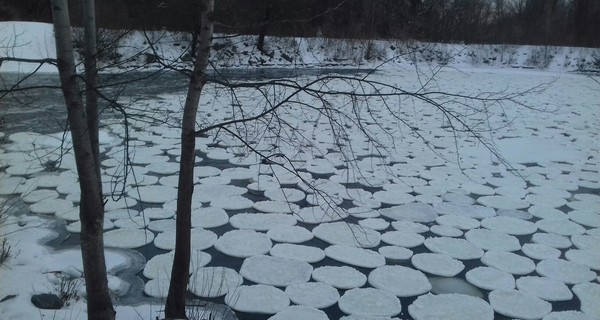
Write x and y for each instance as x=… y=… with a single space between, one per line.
x=175 y=304
x=91 y=210
x=91 y=78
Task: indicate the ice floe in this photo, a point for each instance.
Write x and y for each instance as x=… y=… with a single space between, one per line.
x=545 y=288
x=399 y=280
x=584 y=257
x=459 y=249
x=545 y=212
x=503 y=202
x=313 y=294
x=344 y=277
x=437 y=264
x=566 y=271
x=540 y=251
x=309 y=254
x=210 y=282
x=160 y=265
x=317 y=214
x=415 y=212
x=586 y=242
x=300 y=313
x=243 y=243
x=290 y=234
x=492 y=240
x=153 y=194
x=232 y=203
x=472 y=211
x=56 y=207
x=450 y=307
x=403 y=239
x=567 y=315
x=409 y=226
x=374 y=223
x=209 y=192
x=551 y=240
x=127 y=238
x=488 y=278
x=200 y=239
x=355 y=256
x=560 y=227
x=445 y=231
x=285 y=195
x=589 y=295
x=276 y=271
x=394 y=253
x=257 y=299
x=509 y=262
x=206 y=217
x=369 y=302
x=345 y=233
x=510 y=225
x=261 y=222
x=275 y=207
x=517 y=304
x=585 y=218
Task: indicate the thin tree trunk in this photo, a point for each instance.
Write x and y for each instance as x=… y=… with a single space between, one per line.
x=91 y=78
x=91 y=211
x=175 y=304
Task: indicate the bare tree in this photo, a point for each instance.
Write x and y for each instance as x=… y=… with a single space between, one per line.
x=85 y=145
x=175 y=305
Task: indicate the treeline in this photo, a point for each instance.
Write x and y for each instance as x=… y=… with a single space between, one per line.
x=540 y=22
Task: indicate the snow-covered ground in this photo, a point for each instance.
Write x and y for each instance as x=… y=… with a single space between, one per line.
x=35 y=41
x=423 y=237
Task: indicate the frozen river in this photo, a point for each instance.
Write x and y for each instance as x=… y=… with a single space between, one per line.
x=392 y=210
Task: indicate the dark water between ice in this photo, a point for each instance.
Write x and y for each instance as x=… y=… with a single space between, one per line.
x=42 y=109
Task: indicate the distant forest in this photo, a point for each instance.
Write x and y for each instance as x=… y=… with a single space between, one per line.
x=540 y=22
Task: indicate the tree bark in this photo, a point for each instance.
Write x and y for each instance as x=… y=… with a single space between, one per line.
x=91 y=211
x=91 y=78
x=175 y=304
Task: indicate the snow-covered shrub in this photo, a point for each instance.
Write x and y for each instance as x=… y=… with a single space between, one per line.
x=540 y=57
